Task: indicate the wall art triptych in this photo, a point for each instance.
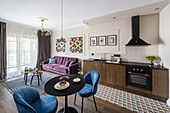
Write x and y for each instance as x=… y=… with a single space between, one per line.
x=102 y=41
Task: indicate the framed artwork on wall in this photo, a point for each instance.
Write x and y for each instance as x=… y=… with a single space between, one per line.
x=111 y=40
x=93 y=41
x=60 y=46
x=76 y=44
x=102 y=40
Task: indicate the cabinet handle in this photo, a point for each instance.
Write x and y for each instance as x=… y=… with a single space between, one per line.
x=139 y=74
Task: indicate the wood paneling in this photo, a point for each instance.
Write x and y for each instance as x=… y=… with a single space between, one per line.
x=115 y=74
x=95 y=66
x=100 y=67
x=87 y=66
x=160 y=83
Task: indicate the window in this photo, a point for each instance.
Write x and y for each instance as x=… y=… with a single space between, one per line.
x=22 y=46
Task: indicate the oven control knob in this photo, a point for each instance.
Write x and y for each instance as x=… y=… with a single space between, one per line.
x=141 y=70
x=133 y=69
x=137 y=69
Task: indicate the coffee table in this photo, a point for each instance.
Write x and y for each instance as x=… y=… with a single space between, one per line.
x=38 y=77
x=73 y=88
x=26 y=74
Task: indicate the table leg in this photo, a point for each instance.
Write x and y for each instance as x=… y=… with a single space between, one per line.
x=31 y=79
x=26 y=74
x=38 y=80
x=67 y=109
x=40 y=77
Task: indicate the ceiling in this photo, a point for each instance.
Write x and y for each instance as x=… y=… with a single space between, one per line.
x=26 y=12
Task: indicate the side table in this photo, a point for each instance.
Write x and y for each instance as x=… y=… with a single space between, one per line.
x=38 y=77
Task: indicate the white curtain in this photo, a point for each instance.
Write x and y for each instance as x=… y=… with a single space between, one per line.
x=22 y=46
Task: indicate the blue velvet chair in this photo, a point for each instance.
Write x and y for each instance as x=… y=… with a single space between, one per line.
x=28 y=100
x=90 y=88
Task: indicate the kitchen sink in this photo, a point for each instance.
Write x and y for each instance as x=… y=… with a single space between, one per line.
x=99 y=60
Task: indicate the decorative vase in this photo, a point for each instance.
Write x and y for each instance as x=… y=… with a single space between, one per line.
x=152 y=63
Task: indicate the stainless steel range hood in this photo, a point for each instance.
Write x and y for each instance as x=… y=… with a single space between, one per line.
x=136 y=40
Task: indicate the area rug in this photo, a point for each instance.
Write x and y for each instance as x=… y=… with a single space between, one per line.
x=18 y=83
x=133 y=102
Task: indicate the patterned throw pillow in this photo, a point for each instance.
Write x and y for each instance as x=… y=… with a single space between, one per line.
x=71 y=63
x=67 y=63
x=52 y=61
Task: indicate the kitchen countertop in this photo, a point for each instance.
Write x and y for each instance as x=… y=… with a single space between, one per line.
x=129 y=63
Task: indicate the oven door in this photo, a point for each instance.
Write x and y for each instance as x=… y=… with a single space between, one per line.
x=139 y=80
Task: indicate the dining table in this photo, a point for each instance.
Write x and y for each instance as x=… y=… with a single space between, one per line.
x=73 y=88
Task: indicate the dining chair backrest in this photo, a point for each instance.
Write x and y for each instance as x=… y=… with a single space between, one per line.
x=92 y=78
x=24 y=97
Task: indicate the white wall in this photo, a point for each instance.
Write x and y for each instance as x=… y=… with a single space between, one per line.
x=164 y=40
x=122 y=28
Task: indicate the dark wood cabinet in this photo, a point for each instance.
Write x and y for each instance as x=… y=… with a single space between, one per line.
x=115 y=75
x=87 y=66
x=100 y=67
x=95 y=66
x=160 y=83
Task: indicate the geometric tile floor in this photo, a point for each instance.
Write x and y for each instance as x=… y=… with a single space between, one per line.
x=131 y=101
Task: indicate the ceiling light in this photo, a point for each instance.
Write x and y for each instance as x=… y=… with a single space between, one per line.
x=42 y=20
x=62 y=39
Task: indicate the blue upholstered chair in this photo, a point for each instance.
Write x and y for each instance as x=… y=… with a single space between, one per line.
x=28 y=100
x=90 y=88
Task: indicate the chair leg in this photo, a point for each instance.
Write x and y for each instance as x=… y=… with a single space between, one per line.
x=82 y=105
x=95 y=102
x=75 y=99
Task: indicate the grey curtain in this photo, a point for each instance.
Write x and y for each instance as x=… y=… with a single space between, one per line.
x=44 y=46
x=2 y=51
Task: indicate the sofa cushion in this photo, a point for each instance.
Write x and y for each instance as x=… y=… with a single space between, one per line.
x=69 y=59
x=52 y=61
x=71 y=63
x=61 y=68
x=67 y=63
x=59 y=59
x=50 y=66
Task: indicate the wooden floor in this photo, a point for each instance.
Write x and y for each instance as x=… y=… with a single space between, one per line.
x=7 y=104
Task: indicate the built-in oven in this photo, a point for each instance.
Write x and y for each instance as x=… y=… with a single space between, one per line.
x=139 y=76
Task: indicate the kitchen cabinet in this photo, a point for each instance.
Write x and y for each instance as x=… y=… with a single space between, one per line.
x=95 y=66
x=115 y=75
x=160 y=83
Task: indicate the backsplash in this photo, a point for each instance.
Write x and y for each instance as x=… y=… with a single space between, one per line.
x=133 y=54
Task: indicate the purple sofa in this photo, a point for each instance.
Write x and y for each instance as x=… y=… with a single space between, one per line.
x=59 y=67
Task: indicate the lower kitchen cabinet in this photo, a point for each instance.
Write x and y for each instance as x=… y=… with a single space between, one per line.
x=115 y=75
x=160 y=83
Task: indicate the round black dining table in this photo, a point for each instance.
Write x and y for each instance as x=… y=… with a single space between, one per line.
x=73 y=88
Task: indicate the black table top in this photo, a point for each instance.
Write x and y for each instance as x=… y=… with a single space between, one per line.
x=73 y=88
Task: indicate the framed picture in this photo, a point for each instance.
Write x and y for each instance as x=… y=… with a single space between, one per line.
x=102 y=40
x=76 y=44
x=93 y=41
x=111 y=40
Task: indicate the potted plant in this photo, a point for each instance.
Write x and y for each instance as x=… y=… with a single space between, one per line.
x=151 y=58
x=41 y=61
x=79 y=65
